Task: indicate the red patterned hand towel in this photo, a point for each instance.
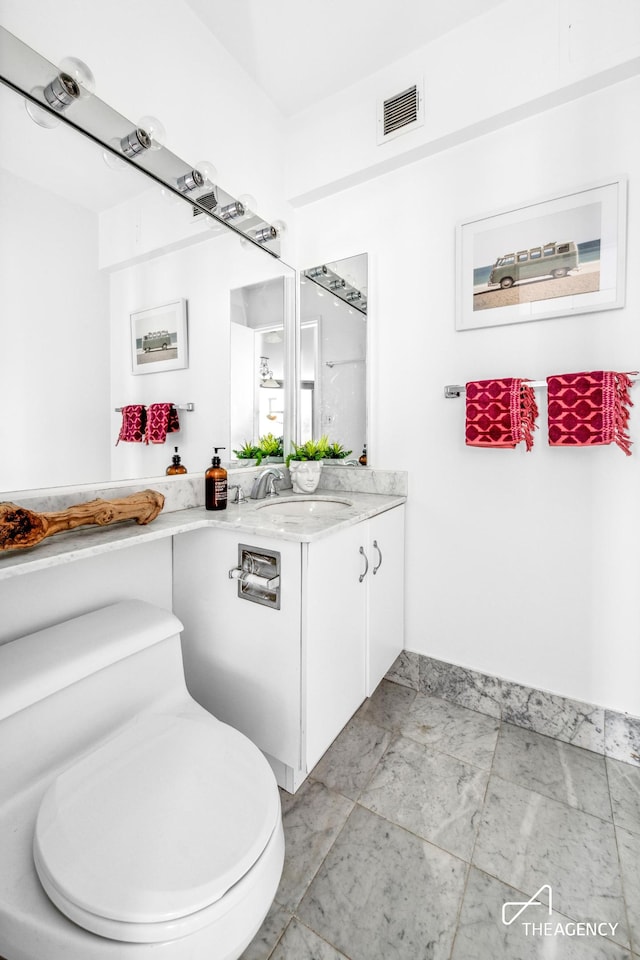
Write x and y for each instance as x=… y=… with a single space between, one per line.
x=500 y=413
x=589 y=409
x=162 y=418
x=134 y=421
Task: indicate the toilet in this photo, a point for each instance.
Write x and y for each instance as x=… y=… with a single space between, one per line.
x=133 y=823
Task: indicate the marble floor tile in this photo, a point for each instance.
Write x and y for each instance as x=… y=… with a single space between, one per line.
x=455 y=730
x=388 y=705
x=527 y=840
x=624 y=785
x=300 y=943
x=312 y=819
x=347 y=765
x=629 y=850
x=268 y=935
x=555 y=769
x=482 y=934
x=430 y=793
x=384 y=894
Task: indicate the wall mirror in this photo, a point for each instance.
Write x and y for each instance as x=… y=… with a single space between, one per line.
x=84 y=245
x=259 y=364
x=333 y=352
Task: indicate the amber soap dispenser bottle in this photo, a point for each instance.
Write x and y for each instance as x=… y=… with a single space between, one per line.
x=215 y=484
x=176 y=466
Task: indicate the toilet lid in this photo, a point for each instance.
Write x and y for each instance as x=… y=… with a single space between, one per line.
x=158 y=822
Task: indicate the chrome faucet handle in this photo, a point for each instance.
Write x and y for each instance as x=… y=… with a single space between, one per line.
x=240 y=497
x=272 y=490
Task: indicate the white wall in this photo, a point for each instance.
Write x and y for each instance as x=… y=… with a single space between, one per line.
x=40 y=599
x=53 y=341
x=520 y=565
x=517 y=60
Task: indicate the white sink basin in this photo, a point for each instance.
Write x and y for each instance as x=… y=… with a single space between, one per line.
x=305 y=506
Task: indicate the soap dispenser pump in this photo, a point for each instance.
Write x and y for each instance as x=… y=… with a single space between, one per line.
x=215 y=484
x=176 y=466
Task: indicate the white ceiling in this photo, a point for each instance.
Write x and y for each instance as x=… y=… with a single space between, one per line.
x=301 y=51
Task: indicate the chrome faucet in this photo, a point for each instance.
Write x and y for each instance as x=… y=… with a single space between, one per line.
x=264 y=484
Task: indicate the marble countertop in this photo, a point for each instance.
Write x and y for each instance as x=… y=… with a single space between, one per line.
x=251 y=517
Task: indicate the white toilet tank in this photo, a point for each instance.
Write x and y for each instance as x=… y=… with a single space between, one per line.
x=68 y=685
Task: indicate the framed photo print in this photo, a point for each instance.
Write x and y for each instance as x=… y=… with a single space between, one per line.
x=159 y=338
x=557 y=257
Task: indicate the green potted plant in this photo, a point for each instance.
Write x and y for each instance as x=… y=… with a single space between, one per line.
x=305 y=464
x=336 y=452
x=271 y=447
x=249 y=454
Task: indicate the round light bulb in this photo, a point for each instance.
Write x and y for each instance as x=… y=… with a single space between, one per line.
x=154 y=130
x=111 y=160
x=208 y=172
x=38 y=114
x=80 y=74
x=75 y=81
x=249 y=203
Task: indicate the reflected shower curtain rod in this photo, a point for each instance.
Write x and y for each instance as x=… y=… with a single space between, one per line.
x=454 y=390
x=334 y=363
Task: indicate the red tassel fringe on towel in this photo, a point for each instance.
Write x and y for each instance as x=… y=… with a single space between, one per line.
x=500 y=413
x=590 y=409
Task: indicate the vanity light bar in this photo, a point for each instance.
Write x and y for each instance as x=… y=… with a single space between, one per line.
x=338 y=286
x=61 y=92
x=190 y=181
x=135 y=142
x=140 y=143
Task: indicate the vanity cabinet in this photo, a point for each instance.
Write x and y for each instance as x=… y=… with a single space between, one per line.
x=385 y=594
x=291 y=678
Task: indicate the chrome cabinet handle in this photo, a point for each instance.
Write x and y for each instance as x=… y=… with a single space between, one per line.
x=366 y=567
x=379 y=564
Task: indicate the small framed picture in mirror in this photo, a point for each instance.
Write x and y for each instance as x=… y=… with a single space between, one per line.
x=159 y=338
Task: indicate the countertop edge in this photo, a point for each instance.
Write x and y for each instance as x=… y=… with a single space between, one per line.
x=93 y=541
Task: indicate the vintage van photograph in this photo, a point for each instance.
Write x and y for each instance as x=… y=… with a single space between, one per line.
x=546 y=259
x=538 y=259
x=159 y=338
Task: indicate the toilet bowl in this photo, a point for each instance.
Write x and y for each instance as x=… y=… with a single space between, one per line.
x=133 y=823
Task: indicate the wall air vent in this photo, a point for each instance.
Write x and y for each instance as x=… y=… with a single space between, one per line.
x=401 y=113
x=208 y=200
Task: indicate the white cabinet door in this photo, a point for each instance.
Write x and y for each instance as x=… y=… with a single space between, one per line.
x=334 y=628
x=242 y=660
x=385 y=585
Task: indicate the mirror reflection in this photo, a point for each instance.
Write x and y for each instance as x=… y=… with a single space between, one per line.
x=333 y=352
x=87 y=250
x=258 y=353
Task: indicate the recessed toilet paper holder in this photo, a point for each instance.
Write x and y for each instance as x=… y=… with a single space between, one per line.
x=258 y=575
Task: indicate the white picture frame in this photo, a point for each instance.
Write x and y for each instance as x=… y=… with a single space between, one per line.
x=586 y=227
x=159 y=338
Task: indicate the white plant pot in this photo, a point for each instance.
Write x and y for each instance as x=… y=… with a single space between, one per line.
x=305 y=475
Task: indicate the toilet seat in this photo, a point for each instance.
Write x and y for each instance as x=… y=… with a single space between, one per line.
x=140 y=839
